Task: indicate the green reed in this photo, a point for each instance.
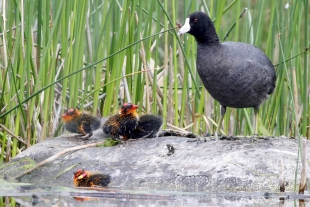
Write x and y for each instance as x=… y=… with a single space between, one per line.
x=97 y=55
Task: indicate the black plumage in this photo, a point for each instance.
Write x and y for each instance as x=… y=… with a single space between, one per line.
x=236 y=74
x=80 y=122
x=128 y=123
x=123 y=123
x=99 y=180
x=148 y=126
x=111 y=126
x=83 y=178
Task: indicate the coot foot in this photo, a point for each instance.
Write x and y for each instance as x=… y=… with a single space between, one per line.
x=217 y=137
x=144 y=137
x=208 y=137
x=86 y=136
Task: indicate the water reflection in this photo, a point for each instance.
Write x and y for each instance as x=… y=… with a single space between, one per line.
x=101 y=199
x=31 y=195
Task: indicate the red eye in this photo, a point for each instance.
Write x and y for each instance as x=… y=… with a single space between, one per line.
x=195 y=20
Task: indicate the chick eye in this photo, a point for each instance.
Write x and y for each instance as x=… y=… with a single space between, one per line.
x=195 y=20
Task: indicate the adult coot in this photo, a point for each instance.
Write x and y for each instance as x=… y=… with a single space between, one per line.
x=236 y=74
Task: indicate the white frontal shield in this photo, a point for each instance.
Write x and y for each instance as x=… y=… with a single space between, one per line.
x=186 y=27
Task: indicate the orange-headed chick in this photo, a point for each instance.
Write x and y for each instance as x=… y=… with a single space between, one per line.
x=76 y=121
x=83 y=178
x=124 y=123
x=111 y=126
x=148 y=126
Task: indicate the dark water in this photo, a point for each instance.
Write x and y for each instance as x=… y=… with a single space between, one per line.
x=29 y=195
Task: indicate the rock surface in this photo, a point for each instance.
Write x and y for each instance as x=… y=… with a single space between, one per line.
x=221 y=166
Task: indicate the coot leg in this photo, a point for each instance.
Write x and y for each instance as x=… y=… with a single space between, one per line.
x=256 y=121
x=218 y=129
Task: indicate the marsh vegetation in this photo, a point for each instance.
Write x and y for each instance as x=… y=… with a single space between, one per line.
x=95 y=55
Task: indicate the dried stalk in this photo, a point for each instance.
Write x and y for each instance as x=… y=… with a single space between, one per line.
x=149 y=79
x=281 y=176
x=54 y=157
x=12 y=134
x=303 y=176
x=170 y=75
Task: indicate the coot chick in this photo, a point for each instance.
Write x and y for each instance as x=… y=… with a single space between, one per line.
x=236 y=74
x=148 y=126
x=80 y=122
x=123 y=123
x=83 y=178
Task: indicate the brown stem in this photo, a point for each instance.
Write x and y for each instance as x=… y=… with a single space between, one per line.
x=281 y=176
x=12 y=134
x=54 y=157
x=303 y=176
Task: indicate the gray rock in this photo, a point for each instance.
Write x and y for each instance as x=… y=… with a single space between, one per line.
x=225 y=165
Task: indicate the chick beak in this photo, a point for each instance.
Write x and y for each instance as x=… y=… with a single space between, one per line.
x=81 y=176
x=135 y=106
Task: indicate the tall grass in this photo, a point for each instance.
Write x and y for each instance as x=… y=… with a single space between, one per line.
x=95 y=55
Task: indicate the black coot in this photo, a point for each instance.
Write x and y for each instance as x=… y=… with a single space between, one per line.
x=236 y=74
